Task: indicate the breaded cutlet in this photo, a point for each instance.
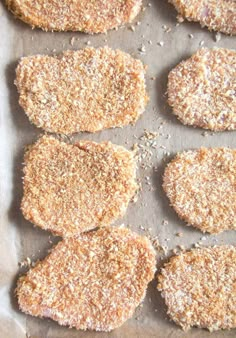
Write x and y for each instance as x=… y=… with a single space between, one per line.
x=95 y=16
x=199 y=288
x=201 y=89
x=91 y=282
x=71 y=188
x=217 y=15
x=201 y=187
x=85 y=90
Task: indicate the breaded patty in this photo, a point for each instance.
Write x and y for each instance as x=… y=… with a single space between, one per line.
x=95 y=16
x=70 y=188
x=217 y=15
x=199 y=288
x=202 y=89
x=201 y=187
x=93 y=281
x=86 y=90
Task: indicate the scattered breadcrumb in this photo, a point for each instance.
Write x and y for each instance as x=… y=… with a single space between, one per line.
x=69 y=188
x=217 y=15
x=199 y=288
x=217 y=37
x=166 y=29
x=201 y=90
x=179 y=234
x=72 y=41
x=144 y=149
x=165 y=222
x=156 y=243
x=90 y=282
x=26 y=263
x=201 y=187
x=142 y=49
x=149 y=135
x=87 y=16
x=86 y=90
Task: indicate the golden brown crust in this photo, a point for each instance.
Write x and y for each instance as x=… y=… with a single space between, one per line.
x=86 y=90
x=217 y=15
x=94 y=281
x=95 y=16
x=69 y=188
x=199 y=288
x=201 y=187
x=201 y=90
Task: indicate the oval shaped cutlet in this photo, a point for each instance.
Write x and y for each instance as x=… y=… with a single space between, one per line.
x=201 y=90
x=201 y=187
x=217 y=15
x=86 y=90
x=91 y=282
x=199 y=288
x=96 y=16
x=69 y=188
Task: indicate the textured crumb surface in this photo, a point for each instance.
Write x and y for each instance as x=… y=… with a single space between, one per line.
x=95 y=16
x=202 y=89
x=73 y=188
x=85 y=90
x=201 y=187
x=199 y=288
x=217 y=15
x=93 y=281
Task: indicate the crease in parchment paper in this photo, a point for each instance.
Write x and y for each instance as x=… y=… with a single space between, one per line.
x=12 y=323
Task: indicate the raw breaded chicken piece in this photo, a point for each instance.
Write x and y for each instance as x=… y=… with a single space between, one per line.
x=86 y=90
x=202 y=89
x=71 y=188
x=95 y=16
x=217 y=15
x=201 y=187
x=199 y=288
x=91 y=282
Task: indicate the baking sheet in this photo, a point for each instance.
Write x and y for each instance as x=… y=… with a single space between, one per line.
x=19 y=239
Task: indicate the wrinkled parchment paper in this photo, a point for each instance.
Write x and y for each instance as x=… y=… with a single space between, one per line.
x=19 y=239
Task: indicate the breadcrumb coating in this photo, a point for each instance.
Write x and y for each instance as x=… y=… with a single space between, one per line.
x=71 y=188
x=90 y=282
x=94 y=16
x=202 y=89
x=85 y=90
x=199 y=288
x=201 y=187
x=217 y=15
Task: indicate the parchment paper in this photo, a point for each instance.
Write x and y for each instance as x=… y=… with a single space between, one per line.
x=19 y=239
